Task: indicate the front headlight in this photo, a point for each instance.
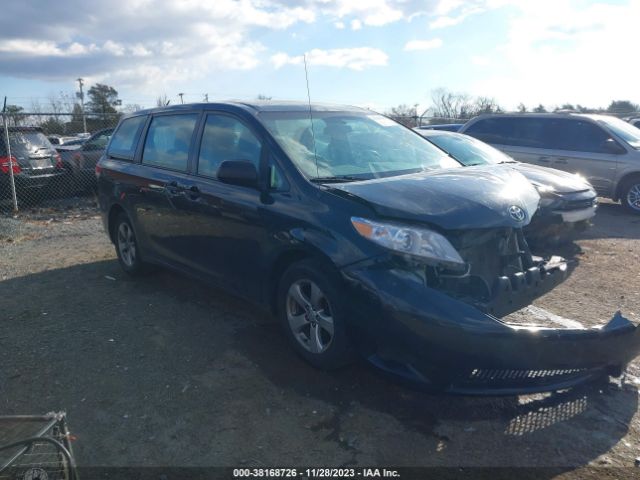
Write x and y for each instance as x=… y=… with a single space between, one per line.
x=419 y=242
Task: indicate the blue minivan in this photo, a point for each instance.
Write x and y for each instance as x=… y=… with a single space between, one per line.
x=362 y=238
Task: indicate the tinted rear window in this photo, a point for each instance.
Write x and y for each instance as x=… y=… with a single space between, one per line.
x=26 y=143
x=520 y=132
x=168 y=140
x=492 y=130
x=576 y=135
x=123 y=144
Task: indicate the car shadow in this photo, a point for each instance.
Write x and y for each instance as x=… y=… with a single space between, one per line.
x=612 y=221
x=103 y=346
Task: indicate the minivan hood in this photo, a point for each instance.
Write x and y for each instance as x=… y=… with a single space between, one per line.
x=470 y=197
x=562 y=182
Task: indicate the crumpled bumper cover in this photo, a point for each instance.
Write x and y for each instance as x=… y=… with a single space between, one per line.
x=423 y=335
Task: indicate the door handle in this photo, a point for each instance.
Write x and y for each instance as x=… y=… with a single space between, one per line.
x=562 y=161
x=152 y=187
x=172 y=188
x=193 y=192
x=544 y=159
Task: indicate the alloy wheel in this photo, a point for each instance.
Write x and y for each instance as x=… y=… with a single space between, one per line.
x=633 y=197
x=127 y=244
x=310 y=316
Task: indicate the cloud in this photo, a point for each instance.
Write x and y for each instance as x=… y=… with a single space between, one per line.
x=353 y=58
x=567 y=56
x=150 y=44
x=463 y=11
x=415 y=45
x=480 y=60
x=138 y=43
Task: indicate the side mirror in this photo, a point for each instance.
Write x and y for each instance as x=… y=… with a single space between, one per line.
x=238 y=172
x=613 y=147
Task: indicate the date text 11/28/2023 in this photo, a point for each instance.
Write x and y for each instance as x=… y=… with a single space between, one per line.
x=315 y=473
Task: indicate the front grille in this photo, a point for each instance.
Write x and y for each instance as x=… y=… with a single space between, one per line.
x=578 y=204
x=499 y=374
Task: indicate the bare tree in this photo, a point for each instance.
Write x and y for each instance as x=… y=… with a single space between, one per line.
x=131 y=108
x=162 y=100
x=449 y=105
x=522 y=108
x=485 y=105
x=404 y=114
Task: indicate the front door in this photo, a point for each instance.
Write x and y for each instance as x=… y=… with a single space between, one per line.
x=226 y=233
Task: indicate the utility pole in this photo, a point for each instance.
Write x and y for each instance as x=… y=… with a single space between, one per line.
x=181 y=100
x=12 y=165
x=81 y=97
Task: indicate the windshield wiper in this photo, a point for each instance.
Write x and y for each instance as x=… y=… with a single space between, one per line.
x=336 y=179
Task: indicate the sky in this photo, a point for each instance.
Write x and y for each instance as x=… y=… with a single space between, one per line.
x=374 y=53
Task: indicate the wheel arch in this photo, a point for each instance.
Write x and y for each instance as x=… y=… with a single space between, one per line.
x=623 y=181
x=282 y=262
x=115 y=210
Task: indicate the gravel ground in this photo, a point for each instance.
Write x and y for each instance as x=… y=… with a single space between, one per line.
x=165 y=371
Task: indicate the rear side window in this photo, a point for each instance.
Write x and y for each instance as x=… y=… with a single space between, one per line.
x=577 y=136
x=226 y=138
x=519 y=132
x=492 y=130
x=168 y=140
x=123 y=144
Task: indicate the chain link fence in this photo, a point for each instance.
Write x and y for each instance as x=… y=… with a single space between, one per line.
x=46 y=156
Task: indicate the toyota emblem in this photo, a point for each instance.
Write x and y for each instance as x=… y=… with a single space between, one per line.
x=517 y=213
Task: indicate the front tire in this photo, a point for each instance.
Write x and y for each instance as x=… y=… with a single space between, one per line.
x=127 y=246
x=630 y=195
x=312 y=312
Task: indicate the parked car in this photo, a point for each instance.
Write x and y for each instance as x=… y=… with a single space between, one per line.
x=635 y=122
x=449 y=127
x=79 y=160
x=72 y=141
x=359 y=234
x=603 y=149
x=57 y=140
x=567 y=201
x=34 y=161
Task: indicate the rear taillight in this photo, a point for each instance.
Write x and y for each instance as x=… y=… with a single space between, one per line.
x=98 y=170
x=58 y=160
x=6 y=163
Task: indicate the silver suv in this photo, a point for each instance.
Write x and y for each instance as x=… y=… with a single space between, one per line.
x=605 y=150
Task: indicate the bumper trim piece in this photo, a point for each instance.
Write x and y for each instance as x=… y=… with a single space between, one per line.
x=571 y=216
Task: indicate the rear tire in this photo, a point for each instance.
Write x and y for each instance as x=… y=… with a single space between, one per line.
x=312 y=312
x=630 y=195
x=127 y=248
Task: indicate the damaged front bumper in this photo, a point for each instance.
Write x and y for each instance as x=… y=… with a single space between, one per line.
x=424 y=335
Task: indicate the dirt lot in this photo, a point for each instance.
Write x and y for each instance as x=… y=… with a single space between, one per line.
x=166 y=371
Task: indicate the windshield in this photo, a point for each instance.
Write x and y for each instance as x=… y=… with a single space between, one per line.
x=469 y=151
x=624 y=130
x=352 y=144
